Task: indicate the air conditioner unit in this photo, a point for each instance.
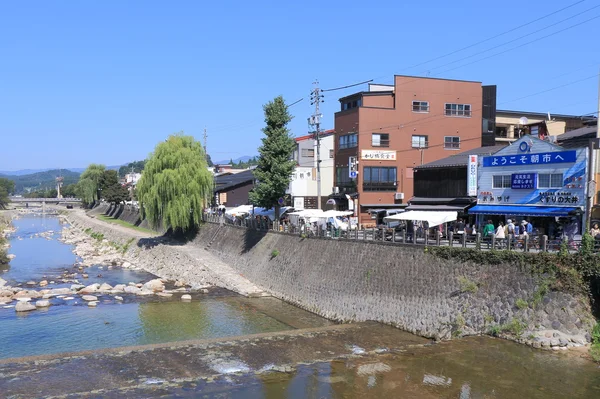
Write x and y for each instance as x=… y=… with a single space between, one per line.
x=336 y=190
x=399 y=196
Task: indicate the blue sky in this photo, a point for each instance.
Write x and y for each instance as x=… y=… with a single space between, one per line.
x=104 y=81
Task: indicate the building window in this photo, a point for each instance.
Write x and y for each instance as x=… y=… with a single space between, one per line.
x=420 y=141
x=501 y=181
x=451 y=142
x=380 y=140
x=349 y=104
x=348 y=141
x=330 y=153
x=550 y=180
x=420 y=106
x=377 y=178
x=342 y=176
x=458 y=110
x=308 y=152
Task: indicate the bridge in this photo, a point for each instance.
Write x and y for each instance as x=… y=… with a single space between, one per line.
x=46 y=200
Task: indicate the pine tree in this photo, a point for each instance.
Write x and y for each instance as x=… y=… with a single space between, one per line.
x=275 y=164
x=176 y=184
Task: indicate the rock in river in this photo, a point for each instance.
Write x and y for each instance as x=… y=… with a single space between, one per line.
x=90 y=289
x=186 y=297
x=42 y=303
x=154 y=285
x=92 y=304
x=43 y=283
x=105 y=287
x=132 y=290
x=89 y=298
x=24 y=307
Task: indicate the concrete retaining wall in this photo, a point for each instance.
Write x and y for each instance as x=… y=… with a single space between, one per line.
x=398 y=285
x=123 y=212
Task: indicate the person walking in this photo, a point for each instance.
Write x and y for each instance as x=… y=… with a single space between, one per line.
x=488 y=231
x=500 y=235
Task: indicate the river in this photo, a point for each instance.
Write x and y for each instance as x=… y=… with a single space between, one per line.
x=476 y=367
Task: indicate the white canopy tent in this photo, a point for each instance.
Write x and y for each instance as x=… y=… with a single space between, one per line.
x=432 y=218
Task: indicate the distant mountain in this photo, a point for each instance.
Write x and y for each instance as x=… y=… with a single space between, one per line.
x=21 y=172
x=31 y=171
x=42 y=180
x=245 y=158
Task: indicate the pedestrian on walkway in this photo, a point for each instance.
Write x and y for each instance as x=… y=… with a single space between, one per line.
x=500 y=235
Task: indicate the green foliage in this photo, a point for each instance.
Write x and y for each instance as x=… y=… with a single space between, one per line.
x=176 y=185
x=595 y=352
x=459 y=325
x=467 y=285
x=596 y=334
x=521 y=304
x=542 y=289
x=488 y=318
x=110 y=188
x=515 y=327
x=569 y=272
x=136 y=166
x=6 y=188
x=89 y=183
x=587 y=244
x=97 y=236
x=245 y=164
x=274 y=253
x=275 y=165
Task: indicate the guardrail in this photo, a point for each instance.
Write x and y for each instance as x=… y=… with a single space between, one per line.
x=424 y=237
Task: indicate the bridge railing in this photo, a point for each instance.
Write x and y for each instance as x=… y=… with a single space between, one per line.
x=23 y=199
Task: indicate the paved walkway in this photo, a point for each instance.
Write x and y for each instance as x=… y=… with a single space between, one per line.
x=222 y=274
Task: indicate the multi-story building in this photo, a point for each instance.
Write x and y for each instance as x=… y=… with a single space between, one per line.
x=512 y=125
x=382 y=134
x=303 y=187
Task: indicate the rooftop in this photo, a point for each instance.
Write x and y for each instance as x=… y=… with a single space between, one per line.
x=543 y=115
x=225 y=182
x=461 y=159
x=324 y=133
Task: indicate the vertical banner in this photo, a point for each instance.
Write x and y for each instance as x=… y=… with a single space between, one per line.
x=472 y=176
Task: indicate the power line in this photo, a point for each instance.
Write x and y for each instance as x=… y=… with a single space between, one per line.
x=345 y=87
x=521 y=37
x=522 y=45
x=496 y=36
x=294 y=103
x=436 y=117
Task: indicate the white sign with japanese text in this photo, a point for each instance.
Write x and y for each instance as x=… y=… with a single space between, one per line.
x=378 y=155
x=472 y=176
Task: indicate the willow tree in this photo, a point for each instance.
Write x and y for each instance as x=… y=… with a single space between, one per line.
x=89 y=183
x=176 y=184
x=275 y=165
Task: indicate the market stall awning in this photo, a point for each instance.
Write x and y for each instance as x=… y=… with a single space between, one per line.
x=436 y=208
x=433 y=218
x=523 y=210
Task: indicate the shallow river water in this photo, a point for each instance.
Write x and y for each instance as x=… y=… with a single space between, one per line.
x=477 y=367
x=70 y=325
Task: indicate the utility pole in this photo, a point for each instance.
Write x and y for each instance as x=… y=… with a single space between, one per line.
x=315 y=120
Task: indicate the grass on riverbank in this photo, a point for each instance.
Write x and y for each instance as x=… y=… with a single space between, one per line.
x=124 y=224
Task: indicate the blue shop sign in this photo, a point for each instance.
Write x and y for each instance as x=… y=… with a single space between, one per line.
x=523 y=181
x=531 y=159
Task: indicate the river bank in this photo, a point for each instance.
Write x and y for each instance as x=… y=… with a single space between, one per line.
x=400 y=286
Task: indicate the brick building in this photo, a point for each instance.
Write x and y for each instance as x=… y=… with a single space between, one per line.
x=391 y=129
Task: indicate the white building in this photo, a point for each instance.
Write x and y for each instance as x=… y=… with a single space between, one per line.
x=303 y=187
x=132 y=178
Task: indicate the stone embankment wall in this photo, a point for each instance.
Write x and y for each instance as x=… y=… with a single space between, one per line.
x=122 y=212
x=402 y=286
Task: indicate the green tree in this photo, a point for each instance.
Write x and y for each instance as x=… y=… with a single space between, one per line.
x=89 y=183
x=136 y=166
x=275 y=164
x=209 y=161
x=6 y=188
x=110 y=188
x=176 y=185
x=69 y=191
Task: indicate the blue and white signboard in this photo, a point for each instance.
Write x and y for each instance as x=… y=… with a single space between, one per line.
x=523 y=181
x=541 y=158
x=353 y=174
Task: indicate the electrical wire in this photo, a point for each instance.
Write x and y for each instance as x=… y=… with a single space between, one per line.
x=348 y=86
x=496 y=36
